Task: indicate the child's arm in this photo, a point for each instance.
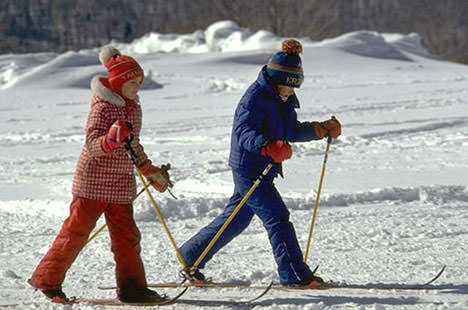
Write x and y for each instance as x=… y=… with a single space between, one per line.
x=96 y=128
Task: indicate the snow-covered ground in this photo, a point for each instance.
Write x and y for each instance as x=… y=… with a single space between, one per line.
x=394 y=203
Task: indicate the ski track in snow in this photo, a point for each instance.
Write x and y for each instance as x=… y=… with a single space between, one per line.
x=394 y=207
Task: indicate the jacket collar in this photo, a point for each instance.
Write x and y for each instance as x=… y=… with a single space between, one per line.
x=100 y=88
x=265 y=82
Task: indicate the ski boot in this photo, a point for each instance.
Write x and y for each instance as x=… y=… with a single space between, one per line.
x=194 y=276
x=55 y=295
x=311 y=282
x=314 y=282
x=141 y=295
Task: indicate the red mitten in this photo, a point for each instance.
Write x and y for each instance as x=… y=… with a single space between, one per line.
x=116 y=135
x=159 y=178
x=278 y=150
x=330 y=127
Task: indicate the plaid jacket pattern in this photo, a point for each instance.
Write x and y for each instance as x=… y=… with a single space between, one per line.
x=99 y=175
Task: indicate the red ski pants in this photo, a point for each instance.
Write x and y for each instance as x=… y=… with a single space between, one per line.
x=125 y=239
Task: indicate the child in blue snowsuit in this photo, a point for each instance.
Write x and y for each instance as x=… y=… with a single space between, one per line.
x=264 y=123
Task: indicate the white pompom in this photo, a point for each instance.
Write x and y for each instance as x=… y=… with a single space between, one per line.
x=107 y=53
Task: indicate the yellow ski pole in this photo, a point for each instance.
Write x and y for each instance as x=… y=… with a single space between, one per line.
x=96 y=233
x=231 y=217
x=317 y=199
x=133 y=157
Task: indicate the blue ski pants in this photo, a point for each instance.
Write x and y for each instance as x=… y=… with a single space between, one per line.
x=266 y=203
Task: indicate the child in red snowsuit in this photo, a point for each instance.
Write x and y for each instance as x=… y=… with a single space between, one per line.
x=104 y=183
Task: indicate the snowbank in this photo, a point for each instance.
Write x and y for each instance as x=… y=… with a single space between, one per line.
x=11 y=65
x=50 y=69
x=199 y=207
x=209 y=207
x=411 y=43
x=365 y=43
x=223 y=36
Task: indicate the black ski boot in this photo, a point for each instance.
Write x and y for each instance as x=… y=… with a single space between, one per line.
x=141 y=295
x=55 y=295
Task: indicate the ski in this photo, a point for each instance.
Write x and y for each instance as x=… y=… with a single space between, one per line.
x=391 y=286
x=116 y=302
x=214 y=302
x=107 y=301
x=328 y=285
x=256 y=297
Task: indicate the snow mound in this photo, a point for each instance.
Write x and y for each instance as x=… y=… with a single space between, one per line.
x=436 y=194
x=411 y=43
x=60 y=71
x=365 y=43
x=75 y=69
x=183 y=208
x=12 y=66
x=199 y=207
x=70 y=69
x=166 y=43
x=228 y=36
x=223 y=36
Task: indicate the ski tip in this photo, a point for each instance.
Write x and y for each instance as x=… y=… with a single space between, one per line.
x=437 y=276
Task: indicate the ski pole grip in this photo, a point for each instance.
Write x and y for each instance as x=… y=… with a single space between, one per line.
x=130 y=125
x=329 y=138
x=130 y=150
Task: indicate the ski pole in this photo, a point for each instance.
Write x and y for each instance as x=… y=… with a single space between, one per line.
x=231 y=217
x=133 y=157
x=105 y=225
x=317 y=199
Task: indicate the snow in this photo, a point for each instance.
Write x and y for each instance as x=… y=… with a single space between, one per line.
x=394 y=202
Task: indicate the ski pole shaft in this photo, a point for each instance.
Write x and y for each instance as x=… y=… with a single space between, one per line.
x=133 y=157
x=317 y=200
x=105 y=225
x=231 y=217
x=161 y=219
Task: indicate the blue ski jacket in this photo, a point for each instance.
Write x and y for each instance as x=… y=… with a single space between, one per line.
x=262 y=116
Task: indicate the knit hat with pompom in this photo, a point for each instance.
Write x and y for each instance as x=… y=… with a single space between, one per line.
x=120 y=68
x=285 y=67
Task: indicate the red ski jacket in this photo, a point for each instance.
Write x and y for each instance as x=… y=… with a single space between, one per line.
x=101 y=176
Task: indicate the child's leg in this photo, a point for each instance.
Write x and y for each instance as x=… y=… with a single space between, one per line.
x=125 y=239
x=267 y=204
x=50 y=273
x=193 y=248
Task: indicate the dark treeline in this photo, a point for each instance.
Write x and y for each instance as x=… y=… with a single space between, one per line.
x=59 y=25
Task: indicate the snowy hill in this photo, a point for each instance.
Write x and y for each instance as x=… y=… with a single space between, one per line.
x=394 y=204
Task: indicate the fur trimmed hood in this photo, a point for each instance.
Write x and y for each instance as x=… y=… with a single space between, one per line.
x=105 y=93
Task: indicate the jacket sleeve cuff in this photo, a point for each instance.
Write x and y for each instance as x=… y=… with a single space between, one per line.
x=260 y=142
x=145 y=166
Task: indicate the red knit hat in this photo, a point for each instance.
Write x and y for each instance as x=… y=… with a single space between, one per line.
x=120 y=68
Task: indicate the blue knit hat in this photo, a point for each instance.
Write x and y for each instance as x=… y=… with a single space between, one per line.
x=285 y=67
